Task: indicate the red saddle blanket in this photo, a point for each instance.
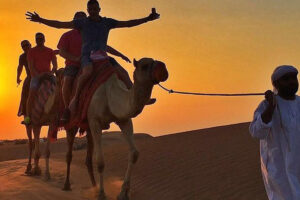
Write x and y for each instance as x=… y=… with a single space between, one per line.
x=101 y=73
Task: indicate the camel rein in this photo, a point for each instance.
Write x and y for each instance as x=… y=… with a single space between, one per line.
x=210 y=94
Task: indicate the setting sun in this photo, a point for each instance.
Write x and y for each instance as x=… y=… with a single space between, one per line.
x=207 y=47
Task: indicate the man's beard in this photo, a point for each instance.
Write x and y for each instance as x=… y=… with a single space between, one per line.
x=288 y=91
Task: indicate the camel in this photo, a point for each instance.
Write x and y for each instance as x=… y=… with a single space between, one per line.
x=47 y=119
x=113 y=102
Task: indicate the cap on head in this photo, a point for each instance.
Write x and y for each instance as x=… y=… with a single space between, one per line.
x=282 y=70
x=80 y=15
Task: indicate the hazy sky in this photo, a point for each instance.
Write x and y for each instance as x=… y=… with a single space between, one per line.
x=213 y=46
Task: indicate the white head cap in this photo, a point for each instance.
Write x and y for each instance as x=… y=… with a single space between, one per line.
x=282 y=70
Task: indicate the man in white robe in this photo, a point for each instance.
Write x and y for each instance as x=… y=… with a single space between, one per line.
x=276 y=124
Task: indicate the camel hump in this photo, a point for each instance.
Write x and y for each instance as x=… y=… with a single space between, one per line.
x=117 y=96
x=116 y=82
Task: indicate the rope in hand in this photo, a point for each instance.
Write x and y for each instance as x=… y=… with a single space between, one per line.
x=210 y=94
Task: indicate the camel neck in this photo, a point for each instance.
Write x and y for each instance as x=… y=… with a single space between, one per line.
x=141 y=95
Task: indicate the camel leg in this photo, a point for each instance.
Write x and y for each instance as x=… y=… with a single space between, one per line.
x=97 y=134
x=47 y=155
x=36 y=132
x=70 y=138
x=89 y=157
x=127 y=129
x=30 y=148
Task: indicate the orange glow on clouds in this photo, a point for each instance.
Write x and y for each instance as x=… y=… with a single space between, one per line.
x=208 y=46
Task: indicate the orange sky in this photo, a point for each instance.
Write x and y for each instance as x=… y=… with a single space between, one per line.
x=208 y=46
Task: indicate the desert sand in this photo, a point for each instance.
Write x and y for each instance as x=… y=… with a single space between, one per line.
x=220 y=163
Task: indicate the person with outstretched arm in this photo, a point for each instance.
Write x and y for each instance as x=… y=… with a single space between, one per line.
x=94 y=31
x=69 y=47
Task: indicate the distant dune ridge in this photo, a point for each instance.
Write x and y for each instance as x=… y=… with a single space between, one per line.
x=211 y=164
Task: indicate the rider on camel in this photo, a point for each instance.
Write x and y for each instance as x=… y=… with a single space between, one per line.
x=69 y=47
x=94 y=31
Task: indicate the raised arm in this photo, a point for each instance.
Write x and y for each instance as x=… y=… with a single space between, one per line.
x=262 y=122
x=267 y=115
x=34 y=17
x=113 y=51
x=136 y=22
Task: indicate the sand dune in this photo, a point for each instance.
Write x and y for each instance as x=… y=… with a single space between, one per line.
x=216 y=163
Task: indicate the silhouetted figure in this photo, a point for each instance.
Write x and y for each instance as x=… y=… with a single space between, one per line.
x=94 y=30
x=25 y=44
x=69 y=47
x=39 y=59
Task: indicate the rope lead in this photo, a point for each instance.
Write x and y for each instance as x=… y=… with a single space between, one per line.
x=210 y=94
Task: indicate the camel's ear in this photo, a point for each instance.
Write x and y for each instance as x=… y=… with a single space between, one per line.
x=135 y=62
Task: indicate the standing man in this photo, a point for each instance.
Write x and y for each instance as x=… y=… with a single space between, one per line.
x=70 y=48
x=276 y=124
x=94 y=31
x=39 y=60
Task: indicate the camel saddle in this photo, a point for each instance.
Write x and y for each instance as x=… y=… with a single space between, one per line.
x=45 y=91
x=102 y=71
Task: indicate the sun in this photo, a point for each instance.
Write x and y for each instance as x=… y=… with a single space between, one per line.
x=4 y=82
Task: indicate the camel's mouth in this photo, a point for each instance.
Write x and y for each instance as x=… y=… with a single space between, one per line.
x=160 y=72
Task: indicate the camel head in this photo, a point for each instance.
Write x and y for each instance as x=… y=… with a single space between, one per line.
x=149 y=71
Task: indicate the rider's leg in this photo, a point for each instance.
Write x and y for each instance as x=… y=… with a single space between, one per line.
x=87 y=70
x=24 y=97
x=69 y=76
x=34 y=84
